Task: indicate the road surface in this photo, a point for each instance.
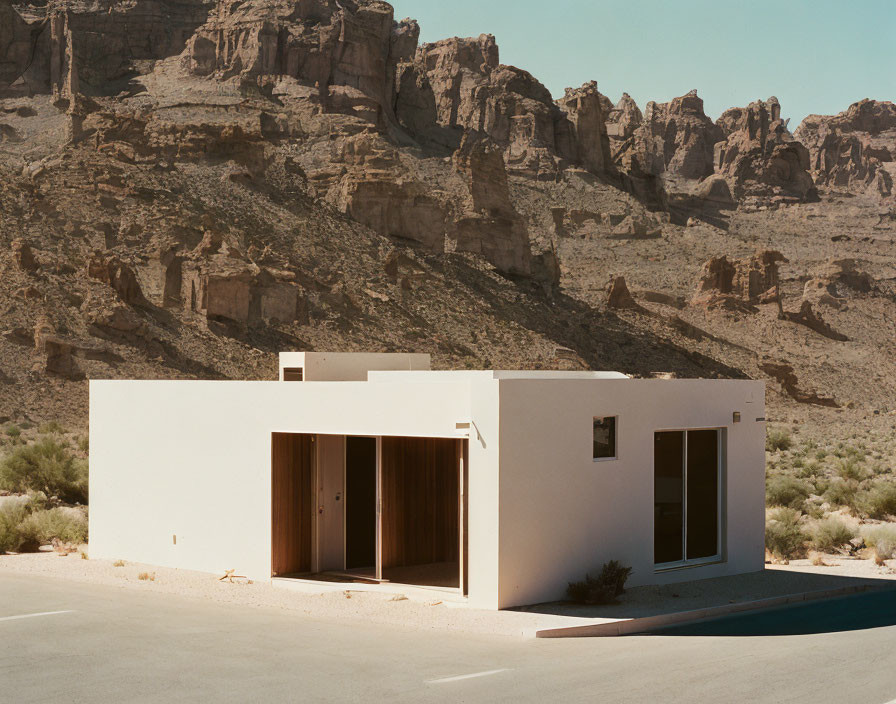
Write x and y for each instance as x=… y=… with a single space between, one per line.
x=64 y=641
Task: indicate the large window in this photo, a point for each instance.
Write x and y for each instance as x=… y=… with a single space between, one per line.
x=605 y=438
x=687 y=497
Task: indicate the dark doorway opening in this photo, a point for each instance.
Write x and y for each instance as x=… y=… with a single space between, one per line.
x=360 y=503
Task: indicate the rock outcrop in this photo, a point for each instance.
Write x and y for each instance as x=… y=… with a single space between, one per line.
x=674 y=138
x=855 y=150
x=760 y=157
x=751 y=280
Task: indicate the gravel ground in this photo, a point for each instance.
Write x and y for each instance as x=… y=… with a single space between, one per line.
x=429 y=612
x=371 y=607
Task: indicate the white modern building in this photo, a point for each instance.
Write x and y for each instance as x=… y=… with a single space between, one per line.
x=499 y=486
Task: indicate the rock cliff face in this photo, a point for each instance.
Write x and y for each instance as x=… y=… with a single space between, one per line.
x=676 y=138
x=855 y=150
x=190 y=185
x=70 y=46
x=759 y=156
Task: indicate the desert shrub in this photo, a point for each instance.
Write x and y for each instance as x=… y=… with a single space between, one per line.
x=830 y=534
x=63 y=524
x=51 y=428
x=850 y=469
x=777 y=439
x=879 y=501
x=841 y=493
x=46 y=466
x=13 y=431
x=784 y=490
x=882 y=540
x=12 y=539
x=784 y=536
x=604 y=588
x=84 y=443
x=147 y=576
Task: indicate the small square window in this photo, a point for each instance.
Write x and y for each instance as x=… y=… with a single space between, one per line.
x=605 y=438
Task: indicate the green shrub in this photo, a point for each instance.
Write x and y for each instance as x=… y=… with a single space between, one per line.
x=784 y=536
x=64 y=524
x=879 y=501
x=784 y=490
x=13 y=431
x=841 y=493
x=13 y=537
x=46 y=466
x=777 y=439
x=850 y=469
x=604 y=588
x=830 y=534
x=84 y=443
x=882 y=539
x=51 y=428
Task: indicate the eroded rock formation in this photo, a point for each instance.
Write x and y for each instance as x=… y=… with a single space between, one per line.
x=751 y=280
x=760 y=157
x=854 y=150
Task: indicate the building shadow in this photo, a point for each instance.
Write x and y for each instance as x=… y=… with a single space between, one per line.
x=820 y=603
x=857 y=612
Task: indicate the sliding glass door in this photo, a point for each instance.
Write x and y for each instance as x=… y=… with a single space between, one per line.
x=687 y=497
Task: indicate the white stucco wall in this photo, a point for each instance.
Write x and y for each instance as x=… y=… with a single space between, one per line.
x=562 y=513
x=193 y=459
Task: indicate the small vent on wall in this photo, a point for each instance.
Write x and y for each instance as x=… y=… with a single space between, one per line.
x=293 y=374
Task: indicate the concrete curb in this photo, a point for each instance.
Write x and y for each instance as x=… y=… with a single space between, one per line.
x=632 y=626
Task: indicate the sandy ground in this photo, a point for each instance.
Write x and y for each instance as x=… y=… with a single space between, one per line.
x=429 y=611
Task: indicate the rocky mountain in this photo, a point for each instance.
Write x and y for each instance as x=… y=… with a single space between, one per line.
x=189 y=186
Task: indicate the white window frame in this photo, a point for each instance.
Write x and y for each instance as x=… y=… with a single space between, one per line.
x=615 y=439
x=720 y=475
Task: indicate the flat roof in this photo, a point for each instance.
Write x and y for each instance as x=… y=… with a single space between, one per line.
x=457 y=375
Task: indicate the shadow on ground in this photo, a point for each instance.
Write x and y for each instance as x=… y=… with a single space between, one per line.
x=852 y=613
x=832 y=614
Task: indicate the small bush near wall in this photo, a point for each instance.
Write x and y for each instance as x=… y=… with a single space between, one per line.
x=785 y=490
x=604 y=588
x=784 y=536
x=49 y=466
x=879 y=501
x=831 y=534
x=777 y=439
x=26 y=525
x=882 y=541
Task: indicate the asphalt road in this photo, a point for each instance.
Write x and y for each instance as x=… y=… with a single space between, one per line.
x=69 y=642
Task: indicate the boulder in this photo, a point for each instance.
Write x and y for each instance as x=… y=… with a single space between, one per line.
x=23 y=256
x=112 y=271
x=618 y=295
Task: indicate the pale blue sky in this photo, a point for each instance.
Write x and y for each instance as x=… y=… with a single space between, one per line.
x=816 y=56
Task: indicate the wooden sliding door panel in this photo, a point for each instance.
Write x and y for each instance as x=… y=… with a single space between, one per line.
x=292 y=496
x=420 y=493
